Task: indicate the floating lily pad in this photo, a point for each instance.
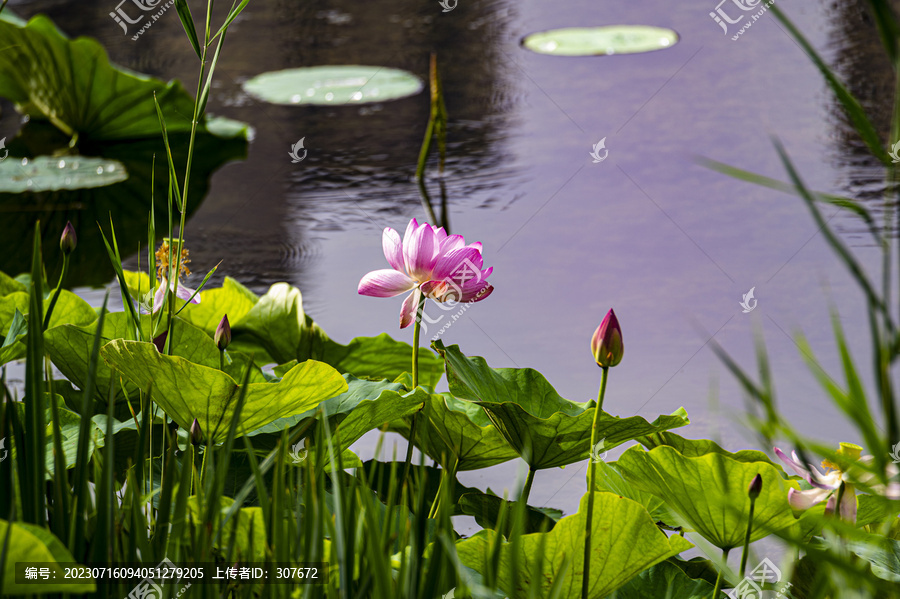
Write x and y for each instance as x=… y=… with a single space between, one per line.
x=48 y=173
x=598 y=41
x=328 y=85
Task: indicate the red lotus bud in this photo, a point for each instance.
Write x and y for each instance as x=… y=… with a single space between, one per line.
x=606 y=344
x=68 y=240
x=223 y=334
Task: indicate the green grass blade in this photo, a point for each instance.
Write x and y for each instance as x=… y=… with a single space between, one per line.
x=187 y=21
x=116 y=259
x=173 y=175
x=33 y=491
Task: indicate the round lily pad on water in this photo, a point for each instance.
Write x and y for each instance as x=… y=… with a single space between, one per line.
x=48 y=173
x=328 y=85
x=598 y=41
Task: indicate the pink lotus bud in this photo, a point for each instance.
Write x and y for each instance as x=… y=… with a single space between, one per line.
x=755 y=487
x=223 y=334
x=68 y=240
x=606 y=344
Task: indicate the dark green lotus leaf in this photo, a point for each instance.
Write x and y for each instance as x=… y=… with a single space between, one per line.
x=333 y=85
x=545 y=429
x=459 y=430
x=128 y=201
x=595 y=41
x=34 y=544
x=380 y=479
x=709 y=492
x=485 y=508
x=382 y=357
x=78 y=90
x=665 y=580
x=187 y=391
x=626 y=541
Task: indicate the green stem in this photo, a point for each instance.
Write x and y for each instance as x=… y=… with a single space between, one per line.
x=449 y=475
x=718 y=587
x=746 y=552
x=585 y=580
x=56 y=293
x=526 y=491
x=417 y=328
x=222 y=360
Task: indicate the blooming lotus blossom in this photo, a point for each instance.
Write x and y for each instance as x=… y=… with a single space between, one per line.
x=428 y=261
x=826 y=484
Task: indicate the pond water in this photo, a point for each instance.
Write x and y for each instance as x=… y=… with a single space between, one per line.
x=668 y=243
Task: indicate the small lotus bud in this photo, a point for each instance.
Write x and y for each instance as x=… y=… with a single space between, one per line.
x=223 y=334
x=196 y=435
x=160 y=341
x=755 y=487
x=68 y=240
x=606 y=344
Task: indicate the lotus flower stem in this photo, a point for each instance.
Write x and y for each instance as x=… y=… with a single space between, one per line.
x=718 y=588
x=753 y=492
x=415 y=375
x=526 y=490
x=591 y=473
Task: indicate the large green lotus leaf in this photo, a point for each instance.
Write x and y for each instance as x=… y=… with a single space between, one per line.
x=598 y=41
x=366 y=406
x=187 y=391
x=279 y=327
x=545 y=429
x=665 y=580
x=881 y=553
x=625 y=541
x=382 y=357
x=32 y=544
x=9 y=285
x=250 y=540
x=231 y=298
x=461 y=430
x=51 y=173
x=608 y=478
x=128 y=201
x=72 y=84
x=337 y=408
x=11 y=349
x=69 y=348
x=710 y=492
x=333 y=85
x=69 y=309
x=693 y=448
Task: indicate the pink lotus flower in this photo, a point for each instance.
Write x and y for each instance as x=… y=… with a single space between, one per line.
x=430 y=262
x=825 y=484
x=606 y=344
